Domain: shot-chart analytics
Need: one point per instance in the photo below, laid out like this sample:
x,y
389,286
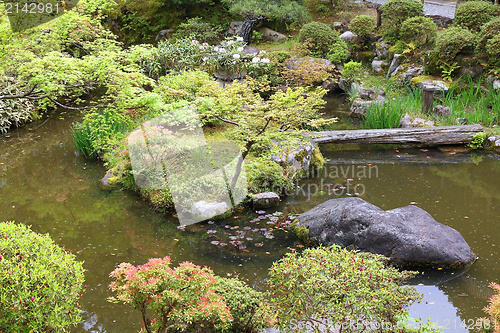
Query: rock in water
x,y
407,235
266,200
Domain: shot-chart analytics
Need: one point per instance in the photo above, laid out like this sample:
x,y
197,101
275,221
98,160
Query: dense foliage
x,y
40,282
362,25
334,286
319,37
199,30
420,30
395,12
485,41
453,41
180,299
245,304
473,14
492,324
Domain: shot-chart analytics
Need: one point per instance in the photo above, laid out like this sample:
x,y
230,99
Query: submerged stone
x,y
408,235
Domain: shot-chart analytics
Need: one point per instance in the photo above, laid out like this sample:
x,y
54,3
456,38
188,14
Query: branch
x,y
24,95
75,108
264,128
228,121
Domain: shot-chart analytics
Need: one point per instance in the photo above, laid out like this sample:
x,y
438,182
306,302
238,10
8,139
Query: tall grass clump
x,y
475,103
388,114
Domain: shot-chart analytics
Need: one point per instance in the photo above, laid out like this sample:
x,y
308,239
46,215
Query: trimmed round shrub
x,y
40,283
245,304
455,40
420,30
395,12
338,52
334,285
320,35
488,31
493,48
362,25
473,14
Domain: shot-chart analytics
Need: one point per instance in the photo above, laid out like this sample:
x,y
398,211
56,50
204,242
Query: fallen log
x,y
429,136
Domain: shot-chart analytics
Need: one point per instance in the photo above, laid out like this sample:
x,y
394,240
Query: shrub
x,y
320,36
334,285
245,304
454,40
338,52
362,25
264,176
187,86
395,12
420,30
488,31
196,29
41,283
352,71
473,14
181,299
491,324
493,48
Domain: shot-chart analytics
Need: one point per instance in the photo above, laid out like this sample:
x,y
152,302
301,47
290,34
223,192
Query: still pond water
x,y
46,184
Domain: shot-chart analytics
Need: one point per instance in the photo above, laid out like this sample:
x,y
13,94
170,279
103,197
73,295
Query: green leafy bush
x,y
40,283
334,285
395,12
245,304
338,52
362,25
489,31
187,86
473,14
493,48
352,71
180,299
320,36
264,175
202,31
492,324
453,41
420,30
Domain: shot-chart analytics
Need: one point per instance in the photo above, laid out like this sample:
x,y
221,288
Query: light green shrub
x,y
40,282
338,52
473,14
352,71
334,285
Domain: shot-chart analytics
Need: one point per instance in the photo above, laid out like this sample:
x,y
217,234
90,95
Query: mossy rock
x,y
301,232
365,57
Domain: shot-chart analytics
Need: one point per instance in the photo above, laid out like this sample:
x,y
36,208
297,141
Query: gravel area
x,y
447,9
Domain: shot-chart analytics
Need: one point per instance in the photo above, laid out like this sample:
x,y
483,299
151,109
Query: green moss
x,y
317,161
113,180
301,232
417,79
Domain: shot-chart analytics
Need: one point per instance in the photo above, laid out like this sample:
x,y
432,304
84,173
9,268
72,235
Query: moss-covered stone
x,y
301,232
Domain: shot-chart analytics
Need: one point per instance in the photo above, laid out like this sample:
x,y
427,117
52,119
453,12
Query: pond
x,y
46,184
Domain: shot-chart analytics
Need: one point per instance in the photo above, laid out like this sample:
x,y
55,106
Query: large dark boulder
x,y
407,235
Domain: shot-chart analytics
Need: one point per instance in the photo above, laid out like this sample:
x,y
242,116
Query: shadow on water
x,y
45,183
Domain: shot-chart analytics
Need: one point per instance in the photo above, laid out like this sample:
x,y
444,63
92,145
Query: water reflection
x,y
43,182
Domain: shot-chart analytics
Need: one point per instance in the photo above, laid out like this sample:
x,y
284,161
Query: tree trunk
x,y
246,29
444,135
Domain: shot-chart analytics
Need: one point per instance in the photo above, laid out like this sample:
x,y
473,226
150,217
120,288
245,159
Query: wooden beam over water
x,y
430,136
